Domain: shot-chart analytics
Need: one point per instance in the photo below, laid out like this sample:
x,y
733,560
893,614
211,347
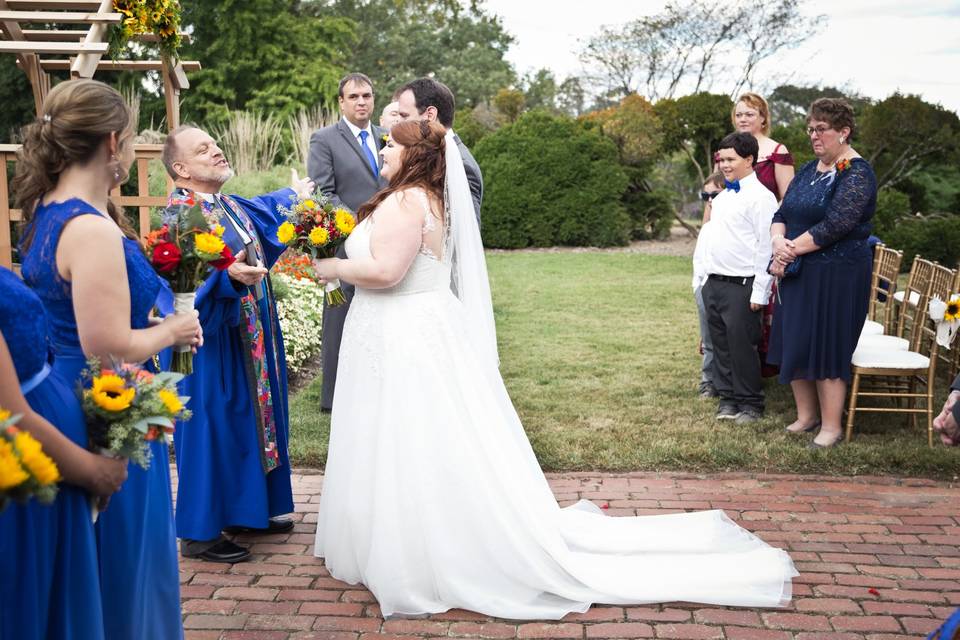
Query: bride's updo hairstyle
x,y
423,161
78,116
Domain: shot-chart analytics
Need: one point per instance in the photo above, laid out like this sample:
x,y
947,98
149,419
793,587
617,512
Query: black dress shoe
x,y
274,525
222,550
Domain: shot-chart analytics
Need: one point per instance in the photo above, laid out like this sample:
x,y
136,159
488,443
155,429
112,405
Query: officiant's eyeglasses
x,y
707,196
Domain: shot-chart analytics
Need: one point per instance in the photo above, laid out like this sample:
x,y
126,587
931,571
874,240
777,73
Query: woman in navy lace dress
x,y
824,222
49,582
83,260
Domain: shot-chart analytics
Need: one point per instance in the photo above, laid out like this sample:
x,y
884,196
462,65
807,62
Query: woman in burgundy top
x,y
774,169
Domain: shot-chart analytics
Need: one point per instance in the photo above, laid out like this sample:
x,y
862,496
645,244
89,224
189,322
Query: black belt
x,y
741,280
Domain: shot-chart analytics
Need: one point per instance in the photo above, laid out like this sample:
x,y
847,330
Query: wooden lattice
x,y
79,30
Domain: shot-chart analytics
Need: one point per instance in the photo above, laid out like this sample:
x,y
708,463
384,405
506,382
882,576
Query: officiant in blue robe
x,y
234,474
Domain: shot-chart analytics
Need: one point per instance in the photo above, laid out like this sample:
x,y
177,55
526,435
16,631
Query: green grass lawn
x,y
599,353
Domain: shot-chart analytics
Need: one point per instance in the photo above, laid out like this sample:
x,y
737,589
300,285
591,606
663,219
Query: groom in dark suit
x,y
428,99
344,162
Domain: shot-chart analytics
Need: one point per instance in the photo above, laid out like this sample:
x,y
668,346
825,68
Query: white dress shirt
x,y
739,240
700,256
355,130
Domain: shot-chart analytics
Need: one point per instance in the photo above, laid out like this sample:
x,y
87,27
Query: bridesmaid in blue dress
x,y
824,221
49,582
82,258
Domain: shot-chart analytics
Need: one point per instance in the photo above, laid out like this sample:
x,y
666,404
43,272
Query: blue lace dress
x,y
49,583
135,535
818,318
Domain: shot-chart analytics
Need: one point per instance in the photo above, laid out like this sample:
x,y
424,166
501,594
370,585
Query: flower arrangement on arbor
x,y
158,17
25,470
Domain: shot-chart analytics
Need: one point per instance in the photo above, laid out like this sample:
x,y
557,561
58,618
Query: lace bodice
x,y
23,324
428,272
835,207
40,272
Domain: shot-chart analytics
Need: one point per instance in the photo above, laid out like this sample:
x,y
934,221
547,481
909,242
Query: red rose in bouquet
x,y
166,257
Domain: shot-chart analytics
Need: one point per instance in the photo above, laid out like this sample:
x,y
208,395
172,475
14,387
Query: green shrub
x,y
651,213
892,205
935,237
549,181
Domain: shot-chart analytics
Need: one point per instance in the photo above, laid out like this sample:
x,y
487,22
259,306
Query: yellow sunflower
x,y
319,236
171,401
217,230
35,460
344,221
310,204
208,245
286,233
953,311
11,473
110,393
4,415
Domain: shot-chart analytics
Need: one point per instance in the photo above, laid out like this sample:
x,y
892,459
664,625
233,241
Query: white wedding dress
x,y
433,498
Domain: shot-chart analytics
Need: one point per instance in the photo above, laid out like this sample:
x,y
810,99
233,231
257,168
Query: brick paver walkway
x,y
879,559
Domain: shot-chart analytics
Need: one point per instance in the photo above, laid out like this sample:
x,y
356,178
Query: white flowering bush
x,y
300,311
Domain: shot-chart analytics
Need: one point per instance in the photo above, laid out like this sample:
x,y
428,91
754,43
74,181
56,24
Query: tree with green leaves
x,y
903,135
18,106
263,55
459,44
635,129
695,124
789,103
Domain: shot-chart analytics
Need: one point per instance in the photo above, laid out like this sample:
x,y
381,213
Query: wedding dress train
x,y
434,500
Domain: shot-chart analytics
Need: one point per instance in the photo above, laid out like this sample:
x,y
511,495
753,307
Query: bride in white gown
x,y
432,496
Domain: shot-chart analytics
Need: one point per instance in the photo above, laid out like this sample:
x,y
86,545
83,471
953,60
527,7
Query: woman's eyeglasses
x,y
707,196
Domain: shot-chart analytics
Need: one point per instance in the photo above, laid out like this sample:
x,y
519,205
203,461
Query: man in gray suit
x,y
428,99
344,162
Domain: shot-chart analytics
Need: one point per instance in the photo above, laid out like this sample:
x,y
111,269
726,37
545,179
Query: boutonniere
x,y
842,165
383,139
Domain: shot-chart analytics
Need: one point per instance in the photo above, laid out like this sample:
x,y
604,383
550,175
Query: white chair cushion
x,y
890,343
871,328
887,359
914,297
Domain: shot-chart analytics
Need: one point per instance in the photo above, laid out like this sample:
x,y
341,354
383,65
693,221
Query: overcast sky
x,y
873,47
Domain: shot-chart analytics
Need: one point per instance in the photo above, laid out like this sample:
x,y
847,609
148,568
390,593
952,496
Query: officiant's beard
x,y
216,177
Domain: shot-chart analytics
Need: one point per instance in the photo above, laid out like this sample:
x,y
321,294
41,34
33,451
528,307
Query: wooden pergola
x,y
78,43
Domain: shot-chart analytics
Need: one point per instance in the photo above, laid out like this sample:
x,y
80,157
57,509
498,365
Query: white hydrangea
x,y
301,314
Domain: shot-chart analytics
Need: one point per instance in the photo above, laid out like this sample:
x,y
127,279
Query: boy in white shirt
x,y
737,285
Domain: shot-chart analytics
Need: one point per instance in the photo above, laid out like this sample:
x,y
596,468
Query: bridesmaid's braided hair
x,y
423,161
78,115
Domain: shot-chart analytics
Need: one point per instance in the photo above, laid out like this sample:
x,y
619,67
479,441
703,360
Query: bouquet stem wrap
x,y
334,293
183,355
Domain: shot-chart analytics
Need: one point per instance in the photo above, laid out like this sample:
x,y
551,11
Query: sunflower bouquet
x,y
25,470
181,251
946,316
128,407
314,227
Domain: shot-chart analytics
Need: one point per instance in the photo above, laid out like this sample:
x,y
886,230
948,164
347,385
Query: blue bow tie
x,y
732,185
